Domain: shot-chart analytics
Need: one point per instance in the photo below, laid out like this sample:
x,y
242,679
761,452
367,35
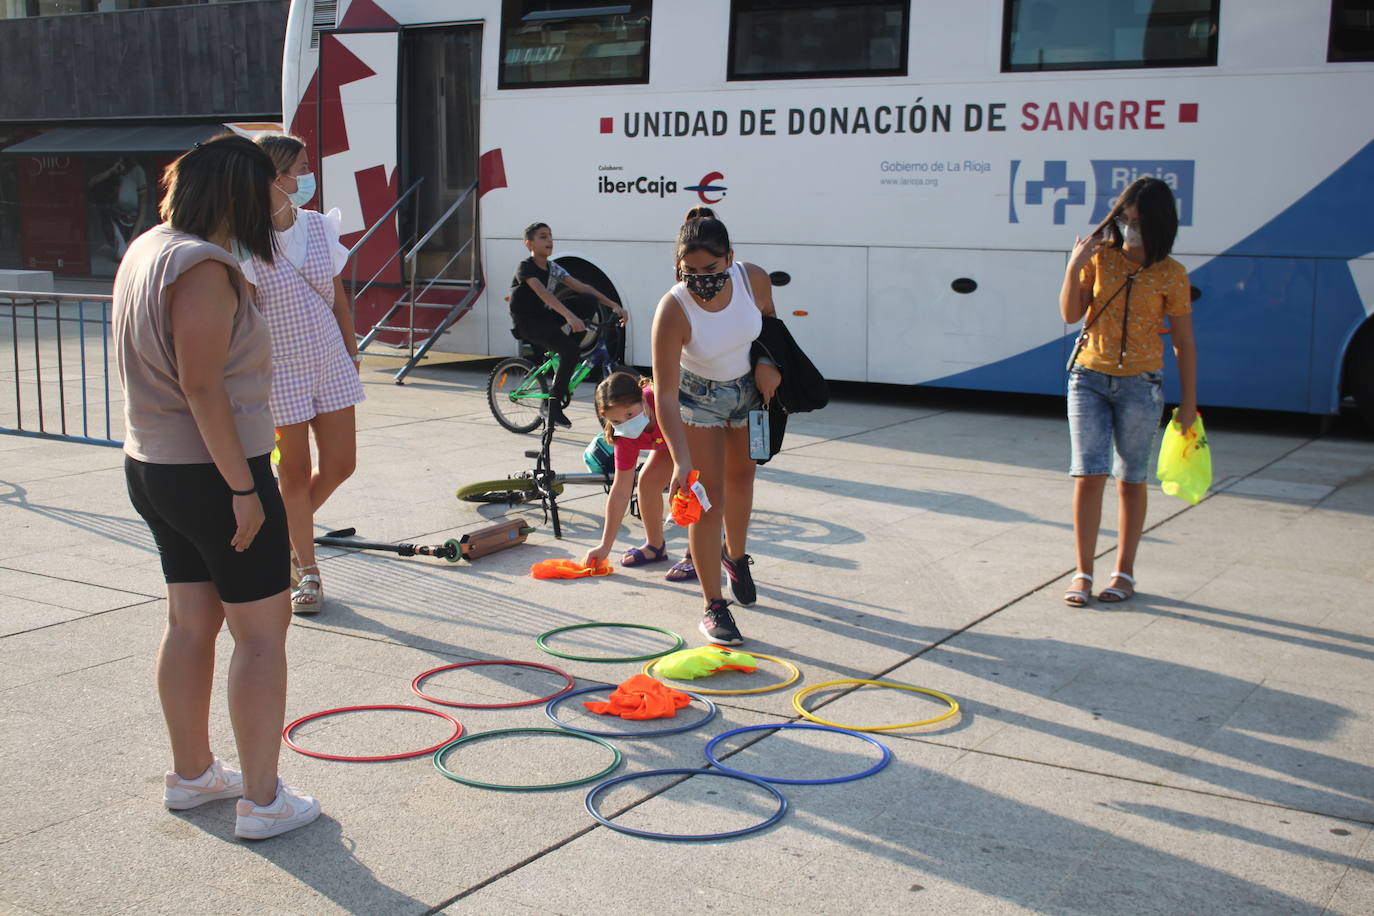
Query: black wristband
x,y
248,492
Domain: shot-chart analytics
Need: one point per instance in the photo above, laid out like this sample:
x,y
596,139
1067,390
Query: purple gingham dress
x,y
312,372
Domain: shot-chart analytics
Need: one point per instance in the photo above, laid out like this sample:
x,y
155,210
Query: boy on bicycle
x,y
540,318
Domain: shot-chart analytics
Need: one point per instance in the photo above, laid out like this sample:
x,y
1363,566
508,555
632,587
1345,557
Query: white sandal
x,y
1113,595
1078,597
308,595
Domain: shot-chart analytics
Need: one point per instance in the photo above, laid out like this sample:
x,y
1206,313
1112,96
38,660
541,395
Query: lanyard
x,y
1125,319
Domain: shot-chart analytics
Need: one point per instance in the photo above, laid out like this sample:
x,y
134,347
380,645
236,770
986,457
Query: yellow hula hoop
x,y
797,705
795,673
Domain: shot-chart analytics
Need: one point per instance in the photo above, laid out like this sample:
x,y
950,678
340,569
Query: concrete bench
x,y
26,280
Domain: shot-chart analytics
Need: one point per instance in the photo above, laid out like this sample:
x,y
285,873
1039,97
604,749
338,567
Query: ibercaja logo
x,y
1062,192
709,189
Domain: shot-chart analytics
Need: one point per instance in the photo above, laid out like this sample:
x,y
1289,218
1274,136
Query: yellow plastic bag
x,y
1185,461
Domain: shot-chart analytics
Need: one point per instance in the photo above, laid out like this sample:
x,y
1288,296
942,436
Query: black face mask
x,y
706,286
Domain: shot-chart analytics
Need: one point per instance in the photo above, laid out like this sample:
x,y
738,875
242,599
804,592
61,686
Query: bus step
x,y
401,329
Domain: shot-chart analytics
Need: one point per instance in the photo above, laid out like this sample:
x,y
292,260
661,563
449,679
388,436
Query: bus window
x,y
1108,34
1352,31
573,43
803,39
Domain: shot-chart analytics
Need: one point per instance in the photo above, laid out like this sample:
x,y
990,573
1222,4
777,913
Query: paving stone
x,y
1202,748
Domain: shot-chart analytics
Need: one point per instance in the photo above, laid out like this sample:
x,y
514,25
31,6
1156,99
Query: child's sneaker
x,y
218,781
289,810
719,624
741,580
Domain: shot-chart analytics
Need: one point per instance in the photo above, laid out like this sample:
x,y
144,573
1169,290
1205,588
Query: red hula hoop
x,y
286,734
415,685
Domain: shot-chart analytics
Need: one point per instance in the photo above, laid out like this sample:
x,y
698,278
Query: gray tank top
x,y
158,424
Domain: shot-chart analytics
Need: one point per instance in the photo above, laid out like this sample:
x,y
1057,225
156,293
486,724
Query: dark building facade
x,y
99,96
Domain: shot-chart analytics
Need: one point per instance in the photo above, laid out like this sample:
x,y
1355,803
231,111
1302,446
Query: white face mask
x,y
633,427
305,190
1130,234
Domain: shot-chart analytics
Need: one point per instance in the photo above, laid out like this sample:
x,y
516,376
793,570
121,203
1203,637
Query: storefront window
x,y
121,204
20,9
11,251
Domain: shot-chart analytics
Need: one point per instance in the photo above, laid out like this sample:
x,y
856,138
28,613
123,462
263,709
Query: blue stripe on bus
x,y
1277,311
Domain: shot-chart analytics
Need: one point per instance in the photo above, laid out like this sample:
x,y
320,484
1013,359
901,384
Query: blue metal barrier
x,y
47,331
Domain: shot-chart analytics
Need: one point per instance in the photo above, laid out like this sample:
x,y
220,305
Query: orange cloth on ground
x,y
568,569
641,697
686,508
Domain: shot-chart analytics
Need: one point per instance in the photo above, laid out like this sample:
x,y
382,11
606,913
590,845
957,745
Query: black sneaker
x,y
556,415
719,625
741,581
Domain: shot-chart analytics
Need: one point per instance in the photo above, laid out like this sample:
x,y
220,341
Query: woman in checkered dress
x,y
314,355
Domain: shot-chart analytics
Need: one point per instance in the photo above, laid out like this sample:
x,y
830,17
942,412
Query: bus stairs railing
x,y
62,369
419,338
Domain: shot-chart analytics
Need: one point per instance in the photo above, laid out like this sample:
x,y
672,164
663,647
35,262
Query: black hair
x,y
532,228
1157,213
222,183
700,213
702,234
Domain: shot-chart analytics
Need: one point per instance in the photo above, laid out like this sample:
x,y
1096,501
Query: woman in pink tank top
x,y
704,389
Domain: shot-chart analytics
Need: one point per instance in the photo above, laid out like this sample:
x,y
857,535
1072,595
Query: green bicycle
x,y
518,390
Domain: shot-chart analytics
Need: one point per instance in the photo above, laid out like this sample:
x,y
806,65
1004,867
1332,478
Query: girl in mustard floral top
x,y
1122,279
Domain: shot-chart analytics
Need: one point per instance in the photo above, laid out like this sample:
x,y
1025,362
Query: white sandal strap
x,y
1121,575
1083,575
310,579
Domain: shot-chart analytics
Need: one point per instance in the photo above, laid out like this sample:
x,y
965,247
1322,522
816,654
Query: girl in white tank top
x,y
719,346
704,390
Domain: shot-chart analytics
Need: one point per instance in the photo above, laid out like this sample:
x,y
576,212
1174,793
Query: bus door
x,y
440,91
966,318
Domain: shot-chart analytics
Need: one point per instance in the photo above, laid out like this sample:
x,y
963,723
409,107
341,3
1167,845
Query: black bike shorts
x,y
190,511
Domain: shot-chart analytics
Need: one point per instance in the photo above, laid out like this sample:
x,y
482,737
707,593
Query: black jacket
x,y
802,387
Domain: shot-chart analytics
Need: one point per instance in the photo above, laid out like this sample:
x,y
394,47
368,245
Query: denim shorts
x,y
1113,422
708,403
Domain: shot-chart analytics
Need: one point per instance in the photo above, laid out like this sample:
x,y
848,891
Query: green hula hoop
x,y
680,642
443,751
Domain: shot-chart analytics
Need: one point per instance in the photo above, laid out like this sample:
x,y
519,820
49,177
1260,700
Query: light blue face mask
x,y
238,252
305,189
633,427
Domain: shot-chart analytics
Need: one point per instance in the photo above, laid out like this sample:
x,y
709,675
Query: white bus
x,y
914,171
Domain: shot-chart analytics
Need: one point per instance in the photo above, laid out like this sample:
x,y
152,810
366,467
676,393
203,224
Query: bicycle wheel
x,y
517,410
510,490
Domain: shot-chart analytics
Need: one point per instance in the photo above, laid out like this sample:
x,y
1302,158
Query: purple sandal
x,y
636,556
682,571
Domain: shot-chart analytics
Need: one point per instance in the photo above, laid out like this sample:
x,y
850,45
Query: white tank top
x,y
719,348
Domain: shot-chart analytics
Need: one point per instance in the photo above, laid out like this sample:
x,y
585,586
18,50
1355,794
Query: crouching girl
x,y
625,404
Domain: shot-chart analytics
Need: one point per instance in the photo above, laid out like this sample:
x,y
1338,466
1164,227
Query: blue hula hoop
x,y
651,835
549,711
711,759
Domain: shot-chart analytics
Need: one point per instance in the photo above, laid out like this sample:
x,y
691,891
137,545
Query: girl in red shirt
x,y
625,403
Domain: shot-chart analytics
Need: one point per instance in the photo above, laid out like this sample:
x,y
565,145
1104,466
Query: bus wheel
x,y
1361,372
589,273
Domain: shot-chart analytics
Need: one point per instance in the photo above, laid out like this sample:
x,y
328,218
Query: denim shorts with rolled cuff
x,y
1113,423
708,403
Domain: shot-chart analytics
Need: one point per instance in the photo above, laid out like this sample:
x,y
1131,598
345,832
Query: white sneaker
x,y
218,781
289,810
